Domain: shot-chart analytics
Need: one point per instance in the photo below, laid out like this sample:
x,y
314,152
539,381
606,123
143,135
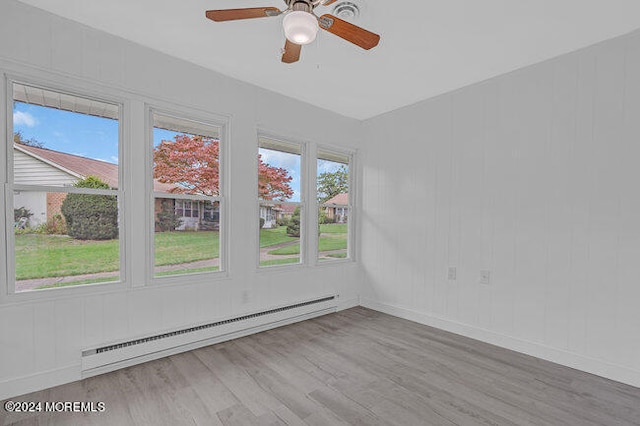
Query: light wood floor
x,y
355,367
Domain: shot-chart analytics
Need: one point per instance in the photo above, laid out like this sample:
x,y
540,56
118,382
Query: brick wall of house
x,y
54,203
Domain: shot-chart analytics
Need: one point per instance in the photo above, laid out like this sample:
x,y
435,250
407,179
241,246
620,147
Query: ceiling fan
x,y
301,25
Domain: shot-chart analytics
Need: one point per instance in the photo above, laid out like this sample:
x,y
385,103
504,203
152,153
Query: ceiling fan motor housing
x,y
301,6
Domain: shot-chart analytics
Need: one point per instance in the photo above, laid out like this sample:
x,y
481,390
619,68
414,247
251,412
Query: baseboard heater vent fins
x,y
232,327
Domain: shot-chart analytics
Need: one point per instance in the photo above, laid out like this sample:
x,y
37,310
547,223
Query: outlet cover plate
x,y
451,273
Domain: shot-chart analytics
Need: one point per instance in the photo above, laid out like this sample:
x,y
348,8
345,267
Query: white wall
x,y
532,175
41,340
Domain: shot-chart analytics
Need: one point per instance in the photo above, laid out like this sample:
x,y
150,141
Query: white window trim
x,y
304,176
78,89
206,120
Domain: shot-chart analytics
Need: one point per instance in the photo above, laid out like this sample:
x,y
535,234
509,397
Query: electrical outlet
x,y
246,296
485,277
451,274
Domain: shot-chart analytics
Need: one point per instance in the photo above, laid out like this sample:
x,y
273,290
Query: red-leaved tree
x,y
191,163
273,182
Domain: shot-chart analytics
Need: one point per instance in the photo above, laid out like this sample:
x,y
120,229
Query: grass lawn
x,y
177,247
42,256
333,237
273,236
333,228
280,261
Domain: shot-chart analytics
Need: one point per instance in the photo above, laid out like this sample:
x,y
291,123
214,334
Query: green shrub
x,y
91,217
283,221
261,222
323,219
168,220
293,228
55,225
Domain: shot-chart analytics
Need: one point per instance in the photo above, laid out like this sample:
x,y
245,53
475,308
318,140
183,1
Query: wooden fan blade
x,y
353,33
328,2
247,13
291,52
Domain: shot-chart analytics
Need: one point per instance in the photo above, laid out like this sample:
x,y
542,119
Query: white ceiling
x,y
428,47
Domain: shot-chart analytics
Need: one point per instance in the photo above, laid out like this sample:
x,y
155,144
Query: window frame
x,y
352,205
303,204
8,187
207,120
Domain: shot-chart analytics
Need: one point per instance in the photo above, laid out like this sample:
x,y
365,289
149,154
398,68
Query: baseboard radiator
x,y
117,355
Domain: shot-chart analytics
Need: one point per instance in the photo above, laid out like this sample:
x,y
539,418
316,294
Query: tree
x,y
293,228
17,138
331,184
189,162
192,164
273,182
168,220
91,216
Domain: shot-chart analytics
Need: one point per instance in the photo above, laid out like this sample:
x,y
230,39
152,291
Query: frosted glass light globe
x,y
300,27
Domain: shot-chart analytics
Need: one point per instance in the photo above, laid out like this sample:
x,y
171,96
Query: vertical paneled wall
x,y
41,341
533,176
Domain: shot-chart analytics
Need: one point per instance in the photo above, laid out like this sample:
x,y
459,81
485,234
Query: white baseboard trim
x,y
570,359
347,303
14,387
200,344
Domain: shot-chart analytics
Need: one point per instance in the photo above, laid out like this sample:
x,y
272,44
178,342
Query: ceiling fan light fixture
x,y
300,27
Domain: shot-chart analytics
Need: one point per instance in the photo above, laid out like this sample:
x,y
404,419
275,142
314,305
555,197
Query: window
x,y
65,189
280,203
187,196
189,209
334,201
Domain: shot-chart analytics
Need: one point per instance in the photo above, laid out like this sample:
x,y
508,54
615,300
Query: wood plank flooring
x,y
356,367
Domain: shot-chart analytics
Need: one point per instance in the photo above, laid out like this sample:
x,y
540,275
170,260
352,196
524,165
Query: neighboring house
x,y
41,166
287,210
270,212
194,215
336,208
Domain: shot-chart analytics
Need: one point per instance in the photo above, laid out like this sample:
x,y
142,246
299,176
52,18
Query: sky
x,y
325,166
70,132
97,138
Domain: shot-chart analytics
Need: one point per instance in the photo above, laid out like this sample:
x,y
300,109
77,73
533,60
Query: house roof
x,y
82,166
340,199
288,208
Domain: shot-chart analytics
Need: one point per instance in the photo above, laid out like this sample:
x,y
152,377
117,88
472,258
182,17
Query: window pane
x,y
61,238
189,243
65,239
279,233
186,160
278,175
59,138
279,193
333,199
